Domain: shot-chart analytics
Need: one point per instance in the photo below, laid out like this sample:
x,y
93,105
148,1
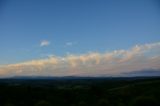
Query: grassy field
x,y
138,91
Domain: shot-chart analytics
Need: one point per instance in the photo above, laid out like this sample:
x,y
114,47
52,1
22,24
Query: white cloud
x,y
116,62
44,43
70,43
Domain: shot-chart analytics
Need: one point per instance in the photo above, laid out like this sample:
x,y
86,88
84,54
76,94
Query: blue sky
x,y
74,27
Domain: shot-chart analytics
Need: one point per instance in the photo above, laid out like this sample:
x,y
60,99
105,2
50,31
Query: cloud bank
x,y
139,57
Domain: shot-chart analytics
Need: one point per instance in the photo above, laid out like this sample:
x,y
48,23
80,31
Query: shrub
x,y
145,101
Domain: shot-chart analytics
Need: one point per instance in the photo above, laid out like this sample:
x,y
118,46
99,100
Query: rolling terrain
x,y
80,91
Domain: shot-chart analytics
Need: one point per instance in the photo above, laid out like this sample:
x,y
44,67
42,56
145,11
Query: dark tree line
x,y
82,93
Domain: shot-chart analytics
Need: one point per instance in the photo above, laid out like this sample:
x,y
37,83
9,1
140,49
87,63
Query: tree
x,y
145,101
8,104
103,102
43,103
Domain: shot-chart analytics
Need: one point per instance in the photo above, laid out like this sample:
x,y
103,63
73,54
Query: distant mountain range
x,y
150,72
134,74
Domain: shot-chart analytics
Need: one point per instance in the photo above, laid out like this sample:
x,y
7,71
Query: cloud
x,y
70,44
44,43
139,57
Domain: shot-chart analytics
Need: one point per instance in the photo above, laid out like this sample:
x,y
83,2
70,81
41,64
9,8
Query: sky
x,y
78,37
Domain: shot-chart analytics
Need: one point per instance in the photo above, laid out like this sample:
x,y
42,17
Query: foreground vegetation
x,y
80,92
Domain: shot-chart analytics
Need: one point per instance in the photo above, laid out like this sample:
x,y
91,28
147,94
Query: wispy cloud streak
x,y
44,43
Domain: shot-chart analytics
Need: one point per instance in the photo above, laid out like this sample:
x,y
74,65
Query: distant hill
x,y
150,72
